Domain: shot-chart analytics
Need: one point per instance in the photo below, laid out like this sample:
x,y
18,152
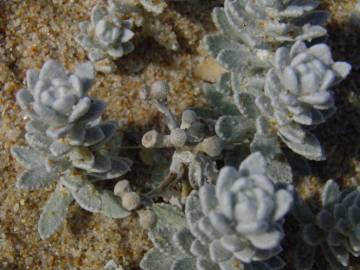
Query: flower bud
x,y
159,90
121,187
130,200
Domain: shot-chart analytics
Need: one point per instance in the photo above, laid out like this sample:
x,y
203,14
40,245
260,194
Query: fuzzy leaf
x,y
38,141
330,194
184,264
54,212
183,240
269,147
253,164
266,240
234,128
234,61
170,220
29,158
284,202
218,253
155,260
168,216
218,101
119,167
111,205
246,104
223,85
35,178
222,23
208,199
310,148
279,170
52,69
88,197
216,43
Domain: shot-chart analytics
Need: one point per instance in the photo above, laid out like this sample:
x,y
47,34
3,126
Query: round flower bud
x,y
150,139
130,200
178,137
147,219
121,187
159,90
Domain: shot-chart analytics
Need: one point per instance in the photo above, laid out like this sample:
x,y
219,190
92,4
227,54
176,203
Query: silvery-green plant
x,y
235,224
196,146
332,232
68,144
106,38
237,113
146,16
267,92
251,30
298,93
293,90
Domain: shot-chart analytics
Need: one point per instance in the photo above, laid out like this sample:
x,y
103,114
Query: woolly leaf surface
x,y
184,264
253,164
216,43
169,216
54,212
330,194
111,205
155,260
35,178
29,158
88,197
218,101
279,170
310,148
234,128
269,147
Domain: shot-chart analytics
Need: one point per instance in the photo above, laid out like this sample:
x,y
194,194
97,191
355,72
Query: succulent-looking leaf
x,y
54,212
155,260
310,148
168,216
234,128
35,178
88,197
27,157
253,164
280,171
330,194
111,205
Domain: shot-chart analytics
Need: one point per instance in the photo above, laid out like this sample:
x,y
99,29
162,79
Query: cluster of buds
x,y
193,138
131,200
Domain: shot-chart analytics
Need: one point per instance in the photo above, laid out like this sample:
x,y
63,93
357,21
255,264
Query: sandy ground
x,y
32,31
